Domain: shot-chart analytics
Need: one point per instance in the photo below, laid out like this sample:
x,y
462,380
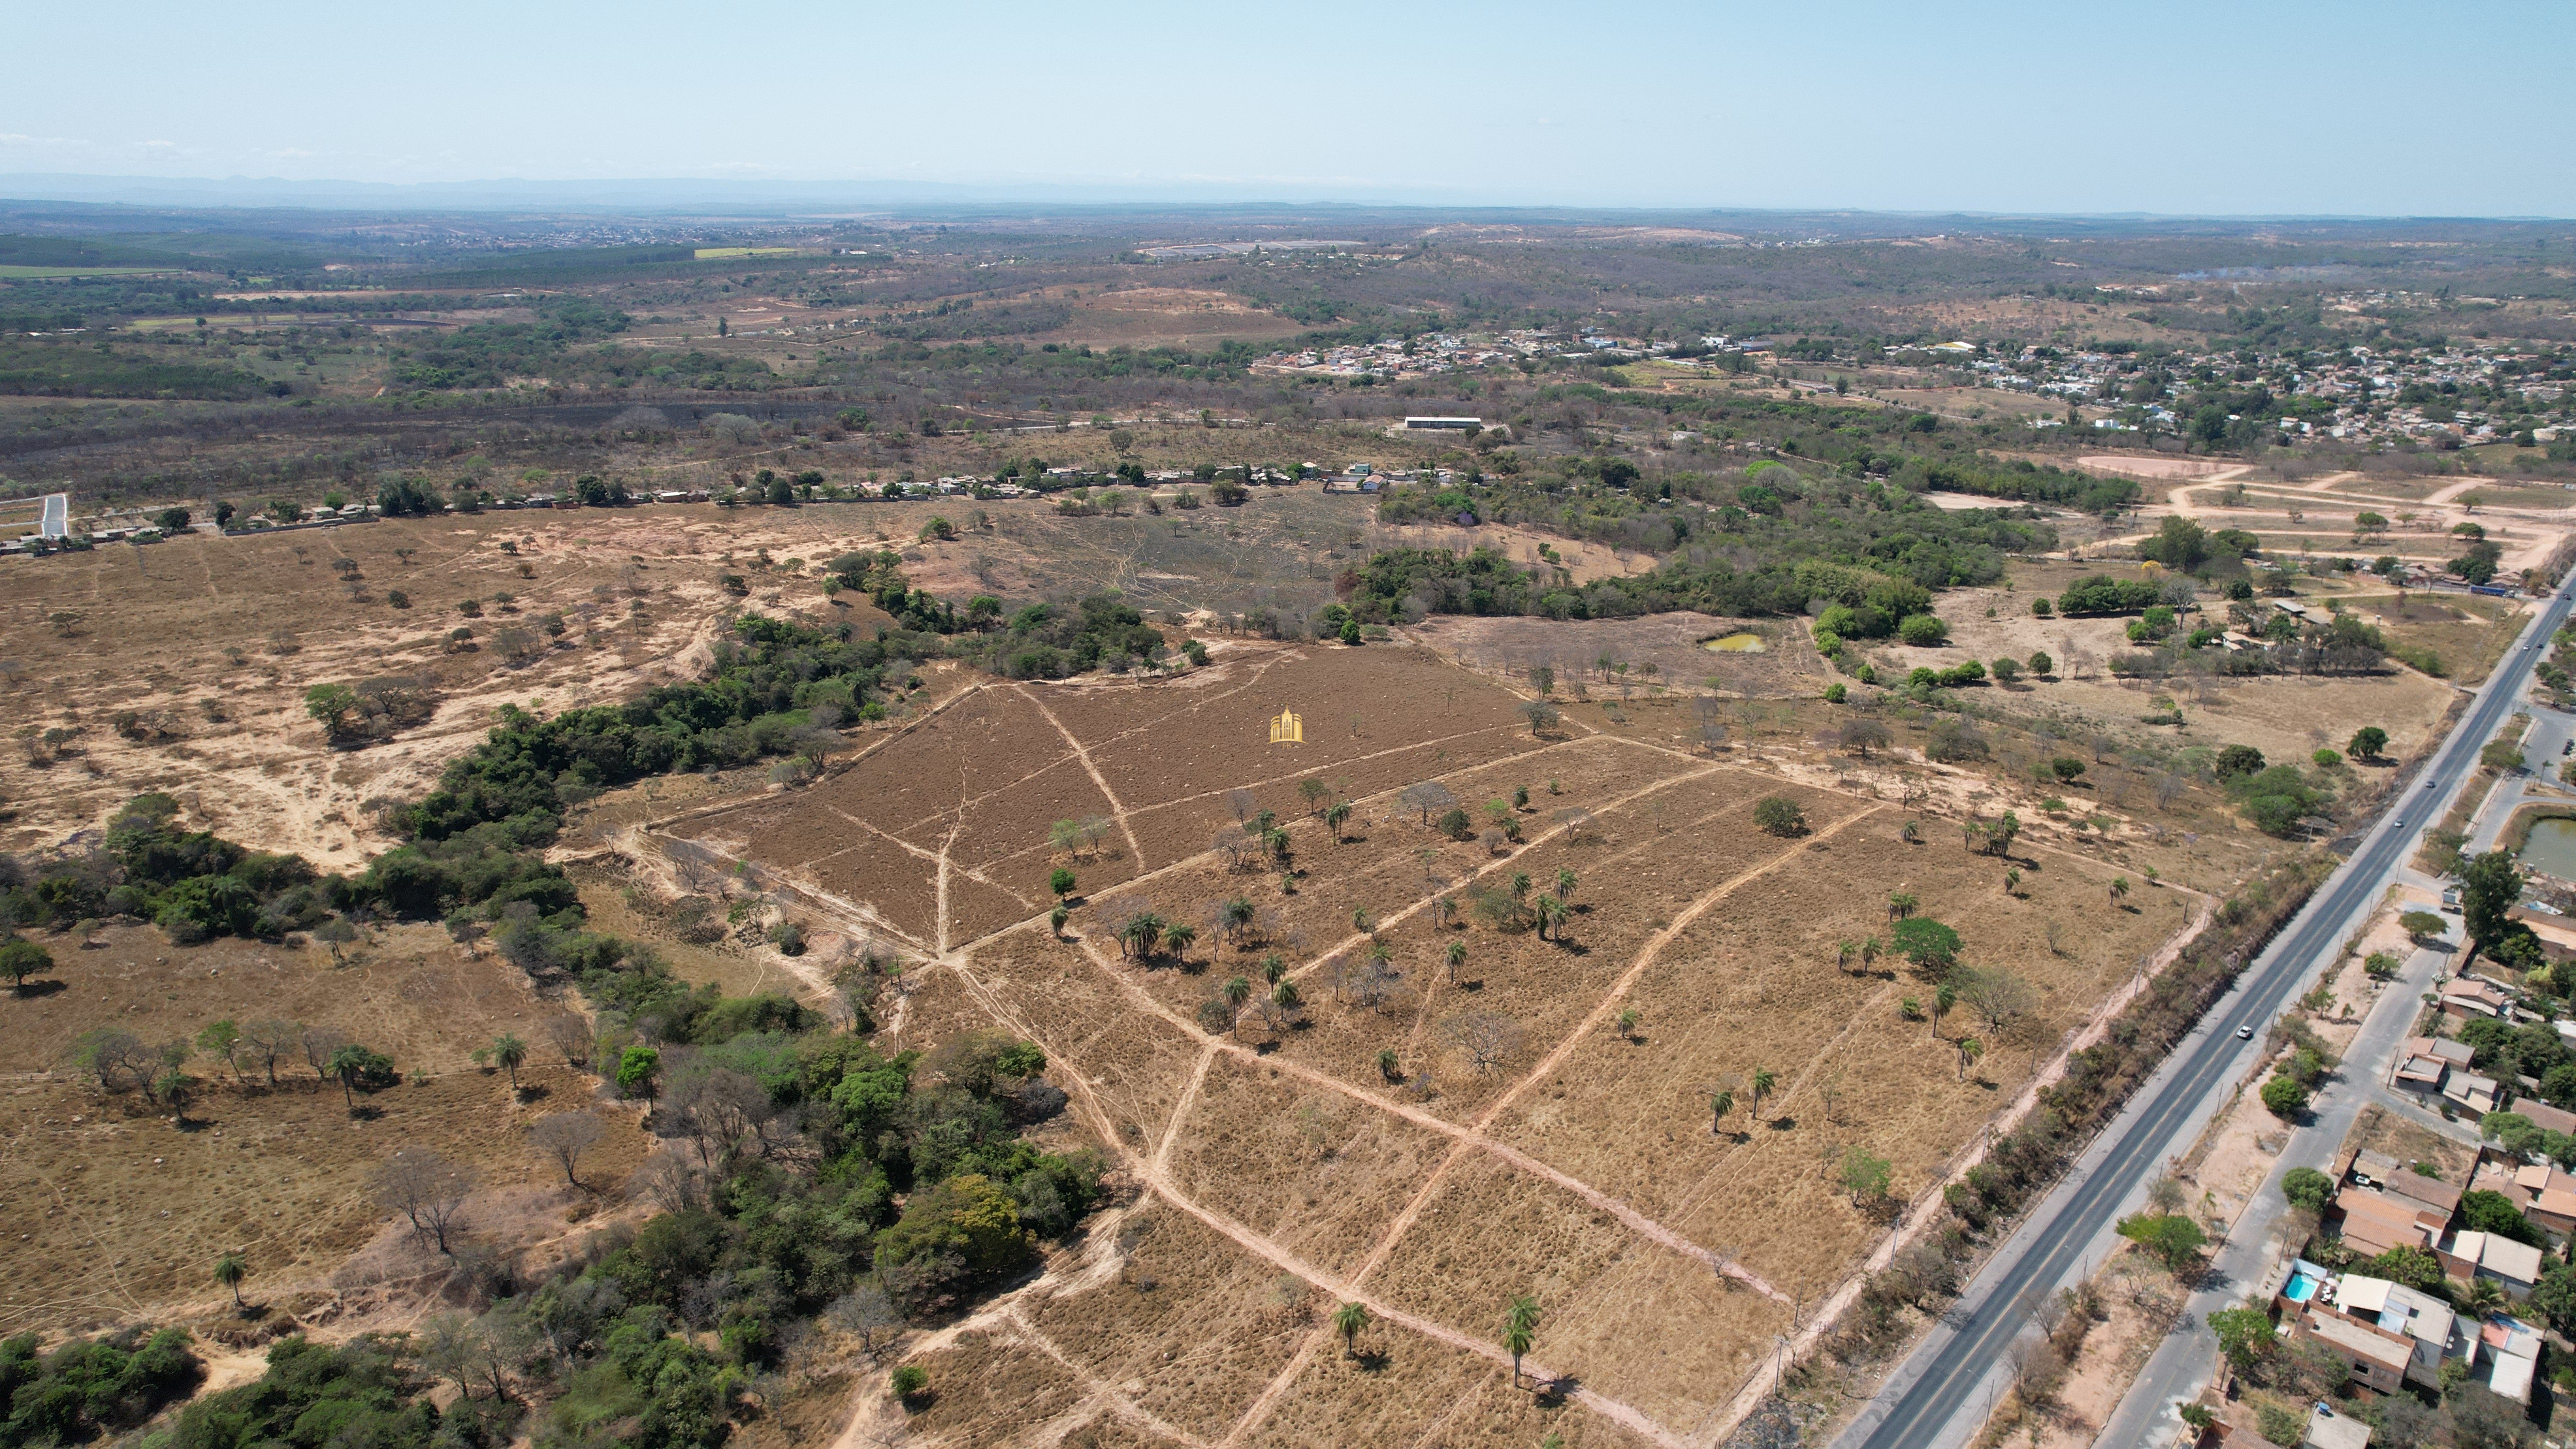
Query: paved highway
x,y
1943,1391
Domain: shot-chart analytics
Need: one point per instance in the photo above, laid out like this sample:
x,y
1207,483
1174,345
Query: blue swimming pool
x,y
2301,1287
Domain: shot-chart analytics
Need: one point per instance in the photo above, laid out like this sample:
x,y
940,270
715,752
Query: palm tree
x,y
1236,992
1969,1050
1457,958
1237,915
1348,1320
1519,1328
1763,1082
1901,904
230,1270
2119,890
348,1064
1286,996
509,1051
1565,885
1844,951
1360,920
1943,998
2012,879
1869,950
1552,912
1719,1104
1628,1023
1339,812
2484,1296
1273,967
1180,938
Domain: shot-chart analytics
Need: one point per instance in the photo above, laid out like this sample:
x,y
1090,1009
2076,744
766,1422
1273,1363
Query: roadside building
x,y
2424,1065
2469,998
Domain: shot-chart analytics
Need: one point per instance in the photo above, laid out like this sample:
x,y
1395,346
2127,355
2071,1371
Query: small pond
x,y
2552,848
1743,643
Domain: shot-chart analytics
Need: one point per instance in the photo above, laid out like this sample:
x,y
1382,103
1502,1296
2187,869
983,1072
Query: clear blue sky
x,y
2193,107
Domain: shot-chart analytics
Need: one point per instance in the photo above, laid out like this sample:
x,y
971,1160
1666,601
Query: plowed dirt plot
x,y
1432,1141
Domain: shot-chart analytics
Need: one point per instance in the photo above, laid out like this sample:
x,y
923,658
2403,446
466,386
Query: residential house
x,y
2373,1222
2420,1320
2379,1359
2542,1115
2468,1256
2468,998
2509,1351
2330,1430
2428,1194
2476,1093
2546,1195
2425,1062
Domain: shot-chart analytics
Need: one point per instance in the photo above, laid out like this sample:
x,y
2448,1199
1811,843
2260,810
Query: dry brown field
x,y
114,1210
1275,1173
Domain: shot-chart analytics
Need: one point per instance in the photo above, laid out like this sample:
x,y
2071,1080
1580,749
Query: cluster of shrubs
x,y
88,1387
194,885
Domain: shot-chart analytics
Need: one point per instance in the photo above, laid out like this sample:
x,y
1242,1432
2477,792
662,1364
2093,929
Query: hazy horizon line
x,y
603,193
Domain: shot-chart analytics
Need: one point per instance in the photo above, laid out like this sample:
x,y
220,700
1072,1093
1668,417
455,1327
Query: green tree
x,y
1520,1329
2284,1097
638,1067
331,705
230,1270
2172,1239
2305,1187
2490,885
1779,816
2423,925
1926,942
1061,881
2486,1211
1865,1176
22,959
223,1039
2244,1335
2367,742
1348,1320
908,1380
